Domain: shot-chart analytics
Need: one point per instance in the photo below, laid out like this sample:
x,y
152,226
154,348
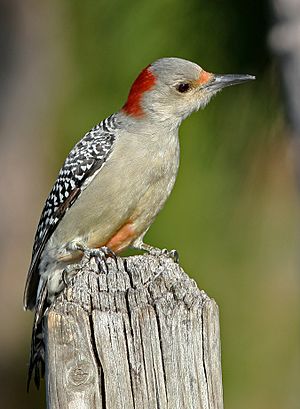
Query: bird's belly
x,y
126,194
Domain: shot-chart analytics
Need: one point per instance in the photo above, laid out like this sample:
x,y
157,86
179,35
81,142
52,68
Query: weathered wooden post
x,y
136,333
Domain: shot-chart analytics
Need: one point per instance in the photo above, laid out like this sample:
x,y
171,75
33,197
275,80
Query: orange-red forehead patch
x,y
204,77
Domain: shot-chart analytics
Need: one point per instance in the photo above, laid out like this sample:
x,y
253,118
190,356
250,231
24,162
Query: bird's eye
x,y
183,87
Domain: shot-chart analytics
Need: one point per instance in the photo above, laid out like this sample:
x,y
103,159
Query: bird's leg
x,y
173,254
88,253
155,251
102,252
72,269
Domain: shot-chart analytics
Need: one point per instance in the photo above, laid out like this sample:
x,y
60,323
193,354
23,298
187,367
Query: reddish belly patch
x,y
122,239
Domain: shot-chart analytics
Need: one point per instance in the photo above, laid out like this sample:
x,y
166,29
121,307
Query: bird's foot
x,y
88,253
173,254
102,253
155,251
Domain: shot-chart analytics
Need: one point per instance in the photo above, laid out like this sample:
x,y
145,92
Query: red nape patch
x,y
143,83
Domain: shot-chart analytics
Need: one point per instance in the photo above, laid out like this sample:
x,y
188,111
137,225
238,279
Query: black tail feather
x,y
37,351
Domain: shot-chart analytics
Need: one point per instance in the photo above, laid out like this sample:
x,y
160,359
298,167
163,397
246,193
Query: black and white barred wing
x,y
86,158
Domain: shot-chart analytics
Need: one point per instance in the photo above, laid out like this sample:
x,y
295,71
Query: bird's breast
x,y
132,186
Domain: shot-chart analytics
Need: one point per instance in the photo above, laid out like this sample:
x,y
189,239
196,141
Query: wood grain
x,y
133,333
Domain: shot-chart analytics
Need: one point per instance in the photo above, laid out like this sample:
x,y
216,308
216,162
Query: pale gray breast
x,y
138,177
160,166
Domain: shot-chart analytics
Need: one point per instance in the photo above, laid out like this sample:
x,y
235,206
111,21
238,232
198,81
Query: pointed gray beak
x,y
220,81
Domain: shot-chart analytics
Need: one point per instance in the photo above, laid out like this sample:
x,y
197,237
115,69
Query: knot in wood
x,y
138,335
80,374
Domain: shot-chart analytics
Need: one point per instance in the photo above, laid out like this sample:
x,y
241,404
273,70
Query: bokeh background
x,y
234,212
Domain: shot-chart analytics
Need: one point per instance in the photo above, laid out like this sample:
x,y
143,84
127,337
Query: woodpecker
x,y
119,175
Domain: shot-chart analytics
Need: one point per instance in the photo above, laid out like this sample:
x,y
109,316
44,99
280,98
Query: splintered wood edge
x,y
212,352
167,351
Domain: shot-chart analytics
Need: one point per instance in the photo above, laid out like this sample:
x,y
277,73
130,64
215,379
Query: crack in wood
x,y
153,338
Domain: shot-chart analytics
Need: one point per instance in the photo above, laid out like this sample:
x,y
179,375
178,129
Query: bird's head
x,y
170,89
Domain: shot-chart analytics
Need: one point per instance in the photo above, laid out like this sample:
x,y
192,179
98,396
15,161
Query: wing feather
x,y
87,157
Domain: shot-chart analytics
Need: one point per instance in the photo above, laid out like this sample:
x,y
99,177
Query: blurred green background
x,y
234,213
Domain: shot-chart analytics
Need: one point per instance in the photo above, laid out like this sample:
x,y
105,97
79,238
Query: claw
x,y
173,254
69,272
112,254
103,252
155,251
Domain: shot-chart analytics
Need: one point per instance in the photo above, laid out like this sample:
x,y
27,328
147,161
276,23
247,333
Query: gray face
x,y
182,87
178,89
